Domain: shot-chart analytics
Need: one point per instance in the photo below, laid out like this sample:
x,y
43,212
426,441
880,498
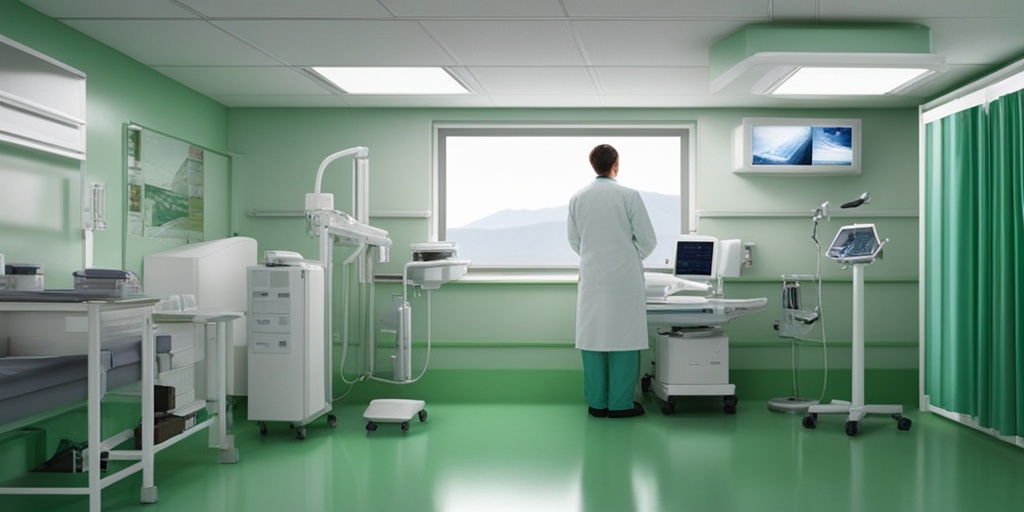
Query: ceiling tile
x,y
917,9
640,81
342,42
443,101
549,101
527,53
534,80
110,9
684,9
474,8
280,9
652,43
236,80
507,42
654,100
793,10
172,42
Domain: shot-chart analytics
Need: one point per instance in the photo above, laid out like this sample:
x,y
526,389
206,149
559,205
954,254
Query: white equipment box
x,y
287,368
692,362
698,357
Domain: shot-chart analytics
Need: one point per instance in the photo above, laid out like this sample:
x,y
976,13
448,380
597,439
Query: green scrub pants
x,y
609,379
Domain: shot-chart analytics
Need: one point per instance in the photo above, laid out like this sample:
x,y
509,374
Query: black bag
x,y
68,459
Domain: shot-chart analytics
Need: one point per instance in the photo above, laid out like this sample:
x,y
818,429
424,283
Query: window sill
x,y
504,276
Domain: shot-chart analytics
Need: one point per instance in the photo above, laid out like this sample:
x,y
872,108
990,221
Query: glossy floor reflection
x,y
511,457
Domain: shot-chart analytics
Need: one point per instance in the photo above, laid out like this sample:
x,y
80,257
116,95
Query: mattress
x,y
32,385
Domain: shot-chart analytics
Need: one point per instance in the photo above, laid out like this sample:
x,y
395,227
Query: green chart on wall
x,y
165,186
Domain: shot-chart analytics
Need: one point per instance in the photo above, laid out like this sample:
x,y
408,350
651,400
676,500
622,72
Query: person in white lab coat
x,y
608,226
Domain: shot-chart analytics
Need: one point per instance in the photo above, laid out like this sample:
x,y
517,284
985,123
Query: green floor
x,y
513,457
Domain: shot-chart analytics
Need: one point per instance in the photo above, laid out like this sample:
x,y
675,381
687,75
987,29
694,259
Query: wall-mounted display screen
x,y
798,146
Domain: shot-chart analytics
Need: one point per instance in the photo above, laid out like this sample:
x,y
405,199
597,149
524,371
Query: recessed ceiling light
x,y
392,80
829,81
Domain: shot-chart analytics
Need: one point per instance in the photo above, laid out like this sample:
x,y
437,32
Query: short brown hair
x,y
602,158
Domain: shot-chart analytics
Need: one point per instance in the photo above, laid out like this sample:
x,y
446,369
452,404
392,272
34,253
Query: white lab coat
x,y
608,226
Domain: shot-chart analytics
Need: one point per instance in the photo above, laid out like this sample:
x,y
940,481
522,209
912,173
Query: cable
x,y
822,213
821,316
345,322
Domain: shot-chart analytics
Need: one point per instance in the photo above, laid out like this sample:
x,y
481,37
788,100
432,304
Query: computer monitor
x,y
696,258
857,243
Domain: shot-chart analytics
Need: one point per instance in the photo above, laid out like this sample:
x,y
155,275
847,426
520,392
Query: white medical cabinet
x,y
287,364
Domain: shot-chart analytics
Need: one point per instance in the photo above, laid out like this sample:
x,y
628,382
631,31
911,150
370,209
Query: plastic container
x,y
109,282
22,276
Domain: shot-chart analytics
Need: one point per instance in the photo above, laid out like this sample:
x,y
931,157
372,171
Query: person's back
x,y
609,228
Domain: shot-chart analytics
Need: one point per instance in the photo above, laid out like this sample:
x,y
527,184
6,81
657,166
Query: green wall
x,y
517,326
479,327
118,90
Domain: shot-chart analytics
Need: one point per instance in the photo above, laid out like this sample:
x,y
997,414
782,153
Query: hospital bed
x,y
687,312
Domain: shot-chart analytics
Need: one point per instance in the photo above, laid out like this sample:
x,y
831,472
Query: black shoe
x,y
637,410
598,413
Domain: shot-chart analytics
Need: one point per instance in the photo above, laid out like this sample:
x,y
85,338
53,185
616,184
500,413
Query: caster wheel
x,y
668,409
332,421
729,404
422,415
903,423
371,427
300,433
405,426
263,428
645,384
810,421
852,428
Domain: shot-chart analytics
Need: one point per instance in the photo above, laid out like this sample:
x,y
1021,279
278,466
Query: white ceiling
x,y
511,53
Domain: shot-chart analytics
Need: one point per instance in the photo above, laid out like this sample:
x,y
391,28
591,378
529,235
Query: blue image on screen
x,y
833,145
801,145
781,145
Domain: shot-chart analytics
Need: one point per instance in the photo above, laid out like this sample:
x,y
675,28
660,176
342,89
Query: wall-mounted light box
x,y
796,146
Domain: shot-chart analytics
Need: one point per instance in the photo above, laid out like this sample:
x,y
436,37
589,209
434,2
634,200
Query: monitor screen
x,y
801,145
853,243
822,147
695,258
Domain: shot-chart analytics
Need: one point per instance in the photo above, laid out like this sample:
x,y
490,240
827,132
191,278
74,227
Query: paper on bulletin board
x,y
165,187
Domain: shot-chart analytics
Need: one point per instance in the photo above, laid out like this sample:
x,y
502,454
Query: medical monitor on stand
x,y
696,258
856,246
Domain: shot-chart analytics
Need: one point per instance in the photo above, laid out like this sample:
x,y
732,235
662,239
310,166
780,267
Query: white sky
x,y
485,175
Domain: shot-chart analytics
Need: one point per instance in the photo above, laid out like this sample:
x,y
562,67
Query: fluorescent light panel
x,y
392,80
831,81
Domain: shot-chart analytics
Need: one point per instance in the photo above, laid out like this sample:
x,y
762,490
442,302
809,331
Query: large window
x,y
504,191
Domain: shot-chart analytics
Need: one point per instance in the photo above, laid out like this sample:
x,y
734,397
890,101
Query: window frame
x,y
686,131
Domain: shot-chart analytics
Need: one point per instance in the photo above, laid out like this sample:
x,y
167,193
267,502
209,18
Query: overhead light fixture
x,y
824,60
832,81
391,80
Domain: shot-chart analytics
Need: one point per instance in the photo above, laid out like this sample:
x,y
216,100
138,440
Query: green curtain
x,y
974,265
